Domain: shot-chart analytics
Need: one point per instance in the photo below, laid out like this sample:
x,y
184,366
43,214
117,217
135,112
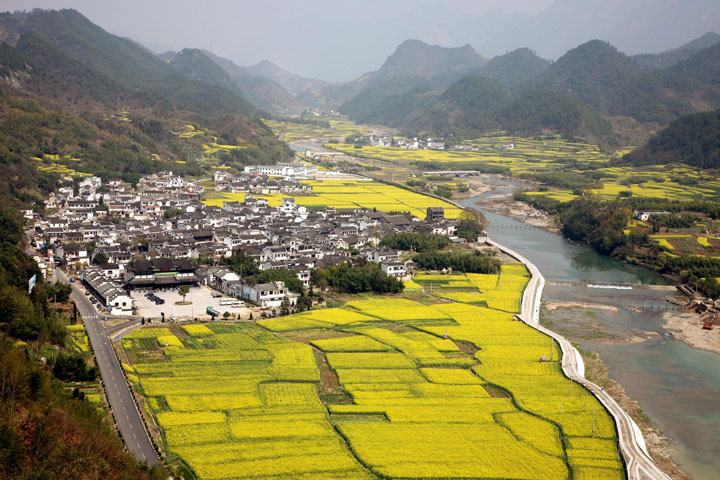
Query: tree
x,y
58,291
470,226
240,263
100,259
289,277
73,367
183,291
172,212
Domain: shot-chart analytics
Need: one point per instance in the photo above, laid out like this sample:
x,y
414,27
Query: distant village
x,y
415,143
160,235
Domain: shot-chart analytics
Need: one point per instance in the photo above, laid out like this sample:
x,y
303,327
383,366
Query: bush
x,y
73,367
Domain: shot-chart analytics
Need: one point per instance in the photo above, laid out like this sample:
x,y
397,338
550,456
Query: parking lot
x,y
200,298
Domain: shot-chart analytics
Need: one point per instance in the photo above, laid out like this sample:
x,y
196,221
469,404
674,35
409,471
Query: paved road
x,y
121,400
639,464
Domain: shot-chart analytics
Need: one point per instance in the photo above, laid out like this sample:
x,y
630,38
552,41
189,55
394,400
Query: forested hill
x,y
414,65
77,99
597,74
693,139
261,91
516,67
584,93
662,60
126,63
47,430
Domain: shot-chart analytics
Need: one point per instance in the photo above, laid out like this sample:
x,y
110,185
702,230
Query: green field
x,y
383,387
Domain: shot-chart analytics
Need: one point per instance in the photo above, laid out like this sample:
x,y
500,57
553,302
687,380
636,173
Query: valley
x,y
476,259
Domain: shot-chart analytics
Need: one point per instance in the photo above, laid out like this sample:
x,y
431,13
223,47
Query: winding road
x,y
121,400
637,460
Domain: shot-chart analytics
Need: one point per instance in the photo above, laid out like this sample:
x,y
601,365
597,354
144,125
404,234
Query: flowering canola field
x,y
350,194
446,390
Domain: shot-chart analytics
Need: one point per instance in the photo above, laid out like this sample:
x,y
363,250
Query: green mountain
x,y
541,111
61,113
668,58
597,74
127,63
696,79
413,65
291,82
516,67
467,105
196,65
477,104
692,139
416,59
44,71
259,90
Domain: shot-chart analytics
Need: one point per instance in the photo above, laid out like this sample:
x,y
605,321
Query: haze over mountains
x,y
338,41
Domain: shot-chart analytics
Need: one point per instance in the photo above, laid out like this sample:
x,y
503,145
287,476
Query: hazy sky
x,y
337,40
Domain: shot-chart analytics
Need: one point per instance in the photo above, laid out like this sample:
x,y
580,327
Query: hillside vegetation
x,y
75,99
693,140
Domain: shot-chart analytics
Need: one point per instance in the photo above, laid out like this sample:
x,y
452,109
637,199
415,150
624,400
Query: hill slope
x,y
668,58
291,82
516,67
127,63
598,74
61,116
693,139
414,64
259,90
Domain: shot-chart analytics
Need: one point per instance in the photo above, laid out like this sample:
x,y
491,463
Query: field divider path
x,y
632,444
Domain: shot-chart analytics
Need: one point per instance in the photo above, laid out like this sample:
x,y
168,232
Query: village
x,y
133,249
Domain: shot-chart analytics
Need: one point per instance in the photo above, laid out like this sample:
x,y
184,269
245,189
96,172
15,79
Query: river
x,y
677,386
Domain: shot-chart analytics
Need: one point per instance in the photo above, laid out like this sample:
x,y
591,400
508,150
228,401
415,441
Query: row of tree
x,y
469,262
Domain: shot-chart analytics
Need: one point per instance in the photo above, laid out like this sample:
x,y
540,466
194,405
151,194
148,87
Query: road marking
x,y
136,439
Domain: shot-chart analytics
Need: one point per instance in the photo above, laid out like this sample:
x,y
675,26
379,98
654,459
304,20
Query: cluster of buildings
x,y
162,236
423,144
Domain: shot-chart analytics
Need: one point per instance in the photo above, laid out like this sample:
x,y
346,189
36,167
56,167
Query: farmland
x,y
339,127
532,157
352,193
381,387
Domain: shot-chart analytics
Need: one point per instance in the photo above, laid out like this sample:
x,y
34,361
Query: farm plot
x,y
501,292
241,405
448,390
352,194
440,419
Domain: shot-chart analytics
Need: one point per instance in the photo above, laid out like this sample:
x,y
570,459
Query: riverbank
x,y
503,204
686,326
657,443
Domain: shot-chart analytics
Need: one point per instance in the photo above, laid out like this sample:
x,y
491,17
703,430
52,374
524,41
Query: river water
x,y
677,386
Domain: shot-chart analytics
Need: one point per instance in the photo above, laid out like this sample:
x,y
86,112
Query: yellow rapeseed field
x,y
442,390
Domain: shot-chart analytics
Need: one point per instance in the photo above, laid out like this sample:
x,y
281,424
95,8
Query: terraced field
x,y
352,194
383,387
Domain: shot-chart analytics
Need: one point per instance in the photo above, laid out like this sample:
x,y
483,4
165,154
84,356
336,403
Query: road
x,y
122,403
632,445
